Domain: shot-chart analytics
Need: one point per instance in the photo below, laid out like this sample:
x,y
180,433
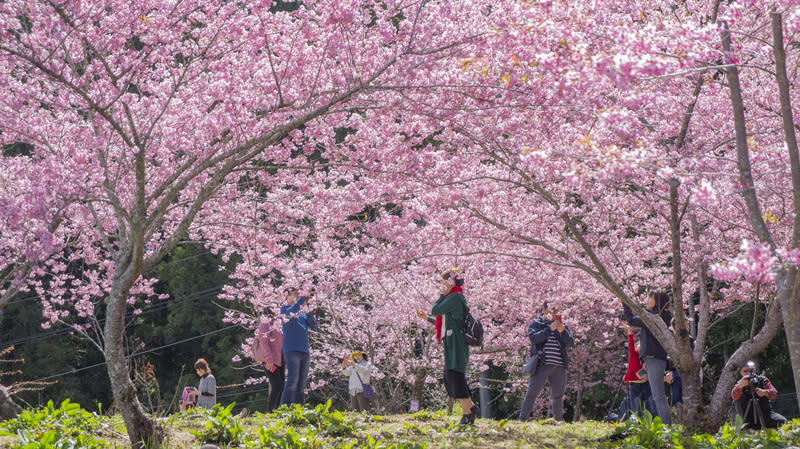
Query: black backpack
x,y
472,330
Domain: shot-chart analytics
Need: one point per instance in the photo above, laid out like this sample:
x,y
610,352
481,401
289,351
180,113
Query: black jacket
x,y
649,346
539,331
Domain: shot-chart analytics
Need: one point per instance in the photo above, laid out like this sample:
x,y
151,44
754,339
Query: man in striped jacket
x,y
549,339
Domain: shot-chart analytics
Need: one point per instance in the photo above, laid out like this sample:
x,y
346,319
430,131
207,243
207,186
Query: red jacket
x,y
634,364
736,393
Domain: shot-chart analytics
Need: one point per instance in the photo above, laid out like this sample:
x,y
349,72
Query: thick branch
x,y
742,152
788,121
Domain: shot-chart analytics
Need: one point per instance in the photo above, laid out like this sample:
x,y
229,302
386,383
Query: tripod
x,y
758,414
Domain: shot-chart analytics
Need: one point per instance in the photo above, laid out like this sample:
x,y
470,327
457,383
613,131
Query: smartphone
x,y
641,373
558,318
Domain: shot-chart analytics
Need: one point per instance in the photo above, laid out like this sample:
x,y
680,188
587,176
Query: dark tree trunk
x,y
142,430
8,408
788,282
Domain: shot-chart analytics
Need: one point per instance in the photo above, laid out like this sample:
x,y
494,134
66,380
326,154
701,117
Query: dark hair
x,y
201,364
457,273
662,304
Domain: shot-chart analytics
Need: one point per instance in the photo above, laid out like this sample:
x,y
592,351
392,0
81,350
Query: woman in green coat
x,y
447,314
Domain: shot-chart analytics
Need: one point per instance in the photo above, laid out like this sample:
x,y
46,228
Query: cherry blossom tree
x,y
176,116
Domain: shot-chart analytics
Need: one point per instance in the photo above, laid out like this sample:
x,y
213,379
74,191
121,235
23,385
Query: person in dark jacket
x,y
296,349
447,314
652,355
549,339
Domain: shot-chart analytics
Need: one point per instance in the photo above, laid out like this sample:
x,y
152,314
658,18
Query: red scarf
x,y
455,289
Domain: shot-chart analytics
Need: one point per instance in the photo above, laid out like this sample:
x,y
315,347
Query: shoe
x,y
465,419
474,412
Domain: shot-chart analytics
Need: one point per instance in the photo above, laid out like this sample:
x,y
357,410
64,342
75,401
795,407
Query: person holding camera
x,y
296,349
651,353
447,315
549,338
358,368
751,394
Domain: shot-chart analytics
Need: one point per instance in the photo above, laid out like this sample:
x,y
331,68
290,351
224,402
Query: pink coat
x,y
268,344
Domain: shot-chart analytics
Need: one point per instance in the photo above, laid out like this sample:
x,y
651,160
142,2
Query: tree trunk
x,y
730,372
417,388
8,408
787,284
142,431
578,402
694,411
790,309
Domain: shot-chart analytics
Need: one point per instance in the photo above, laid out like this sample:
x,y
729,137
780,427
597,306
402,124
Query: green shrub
x,y
221,427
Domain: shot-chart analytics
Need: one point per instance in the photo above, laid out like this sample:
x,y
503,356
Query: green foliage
x,y
221,427
649,433
332,423
48,427
289,438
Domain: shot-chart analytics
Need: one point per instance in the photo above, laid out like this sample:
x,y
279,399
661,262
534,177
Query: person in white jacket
x,y
358,368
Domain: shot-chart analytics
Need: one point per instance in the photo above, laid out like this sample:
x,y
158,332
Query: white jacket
x,y
363,368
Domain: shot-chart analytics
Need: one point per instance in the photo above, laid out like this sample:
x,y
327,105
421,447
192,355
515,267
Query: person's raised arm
x,y
294,308
632,319
537,333
566,336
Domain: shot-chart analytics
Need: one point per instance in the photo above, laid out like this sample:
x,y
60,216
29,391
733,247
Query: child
x,y
358,368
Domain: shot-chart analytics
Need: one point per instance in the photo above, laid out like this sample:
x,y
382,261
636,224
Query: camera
x,y
754,380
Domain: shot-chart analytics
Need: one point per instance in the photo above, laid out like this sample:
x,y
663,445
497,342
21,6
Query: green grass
x,y
322,428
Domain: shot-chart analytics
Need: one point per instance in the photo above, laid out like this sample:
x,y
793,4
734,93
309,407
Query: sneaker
x,y
474,412
467,419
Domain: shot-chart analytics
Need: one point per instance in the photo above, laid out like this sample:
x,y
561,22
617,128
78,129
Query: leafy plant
x,y
290,439
68,426
332,423
221,427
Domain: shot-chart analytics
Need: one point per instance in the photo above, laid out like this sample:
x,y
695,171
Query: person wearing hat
x,y
358,368
751,396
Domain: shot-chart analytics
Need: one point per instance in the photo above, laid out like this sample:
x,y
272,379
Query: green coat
x,y
452,307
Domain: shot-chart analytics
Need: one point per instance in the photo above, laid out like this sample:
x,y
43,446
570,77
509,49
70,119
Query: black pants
x,y
277,379
751,417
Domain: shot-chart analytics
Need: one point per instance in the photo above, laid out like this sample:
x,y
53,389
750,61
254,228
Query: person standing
x,y
447,314
296,349
357,367
549,338
268,350
206,392
651,353
638,389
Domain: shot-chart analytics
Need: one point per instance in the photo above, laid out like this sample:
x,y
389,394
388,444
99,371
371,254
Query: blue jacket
x,y
539,331
295,330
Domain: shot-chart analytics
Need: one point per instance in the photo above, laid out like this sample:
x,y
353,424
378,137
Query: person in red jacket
x,y
638,388
751,396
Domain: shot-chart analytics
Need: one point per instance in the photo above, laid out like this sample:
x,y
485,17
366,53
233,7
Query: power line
x,y
137,354
33,298
162,304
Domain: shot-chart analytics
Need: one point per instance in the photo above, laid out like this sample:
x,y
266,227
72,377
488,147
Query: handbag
x,y
369,393
530,365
